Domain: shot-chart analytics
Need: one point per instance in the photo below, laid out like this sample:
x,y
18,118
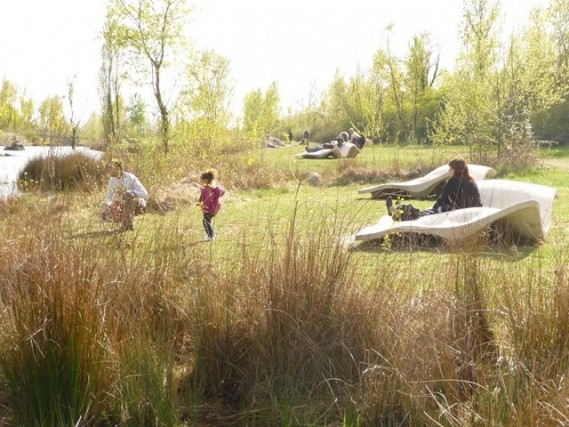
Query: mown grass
x,y
276,322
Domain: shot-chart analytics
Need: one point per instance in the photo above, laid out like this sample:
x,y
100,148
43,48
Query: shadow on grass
x,y
412,243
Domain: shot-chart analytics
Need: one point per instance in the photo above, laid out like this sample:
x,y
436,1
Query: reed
x,y
275,323
57,173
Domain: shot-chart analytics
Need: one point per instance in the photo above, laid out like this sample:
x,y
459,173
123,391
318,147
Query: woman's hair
x,y
460,168
207,176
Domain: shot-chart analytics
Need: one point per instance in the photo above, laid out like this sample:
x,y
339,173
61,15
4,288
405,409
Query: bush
x,y
58,173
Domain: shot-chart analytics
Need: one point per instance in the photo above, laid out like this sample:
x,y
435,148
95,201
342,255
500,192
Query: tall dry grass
x,y
292,330
75,171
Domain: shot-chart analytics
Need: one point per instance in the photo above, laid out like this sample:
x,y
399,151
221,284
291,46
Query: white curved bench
x,y
525,208
426,185
347,150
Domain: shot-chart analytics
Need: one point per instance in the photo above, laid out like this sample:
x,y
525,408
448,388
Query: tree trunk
x,y
164,119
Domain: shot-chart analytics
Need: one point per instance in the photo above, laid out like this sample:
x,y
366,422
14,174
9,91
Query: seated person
x,y
459,192
125,198
356,139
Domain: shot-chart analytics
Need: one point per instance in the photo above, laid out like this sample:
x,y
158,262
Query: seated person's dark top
x,y
458,193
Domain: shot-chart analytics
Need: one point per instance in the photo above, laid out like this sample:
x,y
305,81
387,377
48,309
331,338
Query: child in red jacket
x,y
209,202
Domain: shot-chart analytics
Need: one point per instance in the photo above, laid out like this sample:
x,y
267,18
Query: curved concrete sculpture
x,y
347,150
424,186
525,209
272,142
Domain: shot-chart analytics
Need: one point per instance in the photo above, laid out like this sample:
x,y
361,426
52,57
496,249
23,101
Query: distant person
x,y
459,192
305,137
125,198
209,202
356,138
289,136
344,136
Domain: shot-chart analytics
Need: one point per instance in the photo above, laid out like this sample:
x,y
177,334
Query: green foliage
x,y
203,111
153,32
52,122
147,389
261,111
8,109
492,101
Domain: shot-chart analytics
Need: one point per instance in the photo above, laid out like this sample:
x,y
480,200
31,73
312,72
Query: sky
x,y
299,44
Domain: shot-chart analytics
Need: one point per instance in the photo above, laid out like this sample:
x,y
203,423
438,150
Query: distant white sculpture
x,y
346,150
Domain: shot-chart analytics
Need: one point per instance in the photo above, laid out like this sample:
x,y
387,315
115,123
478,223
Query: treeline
x,y
505,95
502,94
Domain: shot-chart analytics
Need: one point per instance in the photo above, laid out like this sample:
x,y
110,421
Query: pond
x,y
12,163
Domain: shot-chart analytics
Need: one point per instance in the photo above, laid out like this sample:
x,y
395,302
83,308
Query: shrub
x,y
58,173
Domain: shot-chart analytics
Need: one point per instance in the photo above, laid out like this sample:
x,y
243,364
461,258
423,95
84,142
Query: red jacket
x,y
209,199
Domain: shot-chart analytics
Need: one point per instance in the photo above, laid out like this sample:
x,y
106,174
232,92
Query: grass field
x,y
278,322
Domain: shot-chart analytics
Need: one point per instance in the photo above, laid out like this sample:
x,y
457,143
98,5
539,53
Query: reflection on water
x,y
12,163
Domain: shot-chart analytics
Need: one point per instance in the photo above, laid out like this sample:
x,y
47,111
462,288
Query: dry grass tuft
x,y
58,173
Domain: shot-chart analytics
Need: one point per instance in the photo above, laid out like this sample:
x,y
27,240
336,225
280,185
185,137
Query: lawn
x,y
278,321
254,215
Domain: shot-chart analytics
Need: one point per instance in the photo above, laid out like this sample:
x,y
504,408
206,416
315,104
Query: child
x,y
209,202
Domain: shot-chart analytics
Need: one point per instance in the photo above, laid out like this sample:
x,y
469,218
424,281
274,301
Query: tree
x,y
387,74
136,114
421,72
253,111
387,67
527,84
551,123
27,125
74,121
271,107
261,112
8,110
336,103
559,17
469,113
153,31
110,77
207,94
53,125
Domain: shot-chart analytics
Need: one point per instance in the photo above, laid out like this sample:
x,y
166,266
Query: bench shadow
x,y
411,243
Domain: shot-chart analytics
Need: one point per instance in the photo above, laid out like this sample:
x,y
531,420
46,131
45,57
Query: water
x,y
13,162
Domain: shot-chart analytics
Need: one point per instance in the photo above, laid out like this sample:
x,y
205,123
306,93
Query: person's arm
x,y
444,199
137,188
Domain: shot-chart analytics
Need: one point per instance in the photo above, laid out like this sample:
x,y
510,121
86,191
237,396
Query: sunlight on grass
x,y
277,322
